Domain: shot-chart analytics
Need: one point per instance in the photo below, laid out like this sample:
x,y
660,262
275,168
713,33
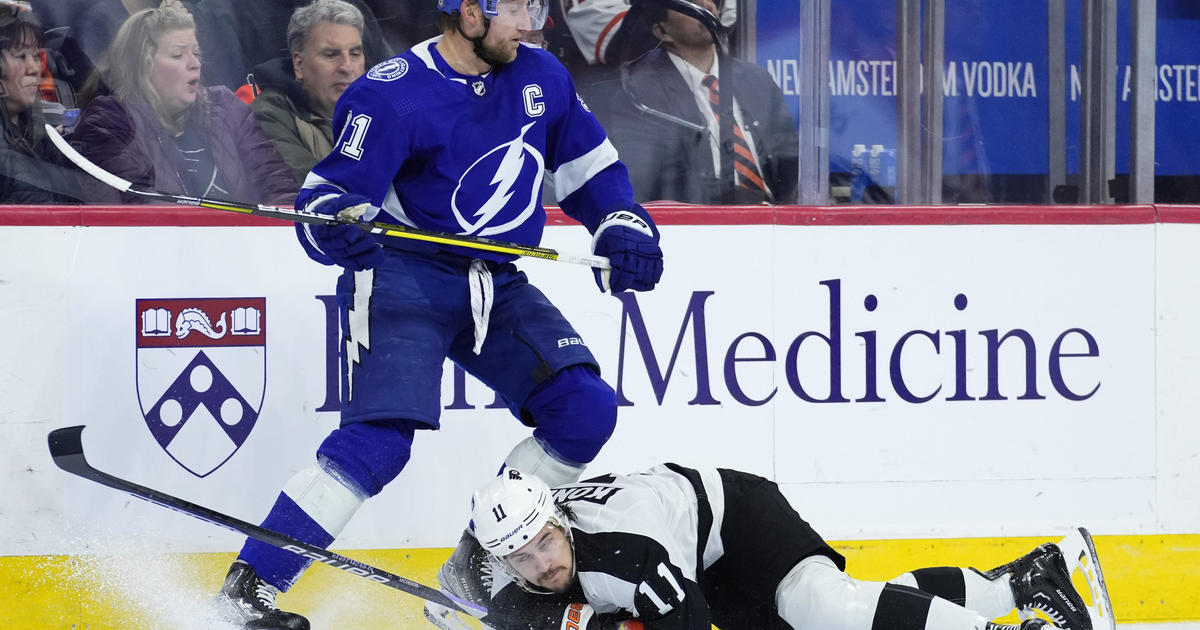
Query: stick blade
x,y
66,447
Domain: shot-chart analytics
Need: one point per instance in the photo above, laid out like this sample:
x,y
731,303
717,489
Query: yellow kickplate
x,y
1150,579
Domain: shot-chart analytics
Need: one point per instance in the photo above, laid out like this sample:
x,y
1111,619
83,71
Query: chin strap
x,y
477,42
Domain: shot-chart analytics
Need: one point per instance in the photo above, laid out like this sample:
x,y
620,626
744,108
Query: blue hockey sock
x,y
278,567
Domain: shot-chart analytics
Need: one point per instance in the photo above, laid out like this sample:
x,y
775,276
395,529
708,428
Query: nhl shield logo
x,y
201,375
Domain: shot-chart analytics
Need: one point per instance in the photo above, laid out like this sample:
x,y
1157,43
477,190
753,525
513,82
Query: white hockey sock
x,y
324,498
944,615
991,598
988,598
815,594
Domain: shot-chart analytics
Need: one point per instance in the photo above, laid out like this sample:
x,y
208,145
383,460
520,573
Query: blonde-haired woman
x,y
159,128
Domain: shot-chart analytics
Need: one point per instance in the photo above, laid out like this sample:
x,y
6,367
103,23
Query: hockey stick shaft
x,y
300,216
66,447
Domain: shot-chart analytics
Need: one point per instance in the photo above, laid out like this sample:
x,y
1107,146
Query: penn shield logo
x,y
501,189
201,374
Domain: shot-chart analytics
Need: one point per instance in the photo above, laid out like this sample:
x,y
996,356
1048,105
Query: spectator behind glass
x,y
245,33
596,32
161,129
681,159
31,169
90,26
295,107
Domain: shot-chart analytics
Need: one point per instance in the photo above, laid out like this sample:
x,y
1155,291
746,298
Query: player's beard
x,y
493,54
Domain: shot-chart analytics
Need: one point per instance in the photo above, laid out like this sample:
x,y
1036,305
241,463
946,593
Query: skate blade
x,y
1083,564
444,618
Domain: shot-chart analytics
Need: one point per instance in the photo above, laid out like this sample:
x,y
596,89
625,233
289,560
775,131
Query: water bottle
x,y
875,165
858,174
887,168
70,117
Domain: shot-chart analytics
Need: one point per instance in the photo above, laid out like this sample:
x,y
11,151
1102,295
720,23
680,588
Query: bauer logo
x,y
201,374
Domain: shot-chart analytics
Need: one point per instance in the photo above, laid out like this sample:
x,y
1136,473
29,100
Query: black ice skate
x,y
467,575
1040,581
248,600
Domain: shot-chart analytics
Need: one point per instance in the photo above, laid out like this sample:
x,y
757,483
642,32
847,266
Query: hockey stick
x,y
66,448
300,216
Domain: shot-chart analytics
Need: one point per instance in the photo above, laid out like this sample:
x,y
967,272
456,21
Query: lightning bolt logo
x,y
358,322
506,176
505,182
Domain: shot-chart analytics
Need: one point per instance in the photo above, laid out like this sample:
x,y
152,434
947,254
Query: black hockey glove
x,y
344,244
629,239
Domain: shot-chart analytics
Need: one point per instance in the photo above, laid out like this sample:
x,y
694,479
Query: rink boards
x,y
955,384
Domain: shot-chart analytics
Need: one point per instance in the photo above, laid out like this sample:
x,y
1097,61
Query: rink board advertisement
x,y
939,386
865,368
996,80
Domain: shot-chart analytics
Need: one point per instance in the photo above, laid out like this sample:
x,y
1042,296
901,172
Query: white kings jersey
x,y
635,542
441,151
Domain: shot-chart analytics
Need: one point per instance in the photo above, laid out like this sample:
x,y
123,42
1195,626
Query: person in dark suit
x,y
666,122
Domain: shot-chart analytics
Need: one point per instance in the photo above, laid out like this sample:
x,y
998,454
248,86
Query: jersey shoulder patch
x,y
389,70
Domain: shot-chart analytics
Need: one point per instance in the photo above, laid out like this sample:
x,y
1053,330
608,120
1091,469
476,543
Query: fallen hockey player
x,y
681,548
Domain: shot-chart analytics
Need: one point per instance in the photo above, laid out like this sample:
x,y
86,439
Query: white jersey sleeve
x,y
636,544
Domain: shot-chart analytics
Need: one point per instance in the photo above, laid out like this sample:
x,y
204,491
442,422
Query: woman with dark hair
x,y
31,169
159,128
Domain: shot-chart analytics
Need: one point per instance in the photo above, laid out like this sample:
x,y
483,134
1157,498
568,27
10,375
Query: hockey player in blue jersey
x,y
453,135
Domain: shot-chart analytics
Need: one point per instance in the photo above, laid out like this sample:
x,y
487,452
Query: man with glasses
x,y
454,135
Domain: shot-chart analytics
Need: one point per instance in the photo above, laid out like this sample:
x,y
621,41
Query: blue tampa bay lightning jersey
x,y
441,151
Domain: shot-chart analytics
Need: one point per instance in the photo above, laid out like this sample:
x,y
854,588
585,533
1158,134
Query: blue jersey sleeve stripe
x,y
312,242
421,51
313,180
392,206
572,175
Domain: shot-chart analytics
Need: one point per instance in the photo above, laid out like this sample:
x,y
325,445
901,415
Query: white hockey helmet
x,y
510,511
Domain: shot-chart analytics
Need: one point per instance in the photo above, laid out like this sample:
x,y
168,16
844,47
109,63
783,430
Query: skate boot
x,y
1028,624
248,601
1040,581
467,576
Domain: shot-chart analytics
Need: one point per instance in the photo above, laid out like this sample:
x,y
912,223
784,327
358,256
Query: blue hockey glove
x,y
348,246
344,244
629,239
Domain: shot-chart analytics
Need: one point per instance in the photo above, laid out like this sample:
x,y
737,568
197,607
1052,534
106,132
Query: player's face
x,y
514,21
546,561
331,60
22,68
175,70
